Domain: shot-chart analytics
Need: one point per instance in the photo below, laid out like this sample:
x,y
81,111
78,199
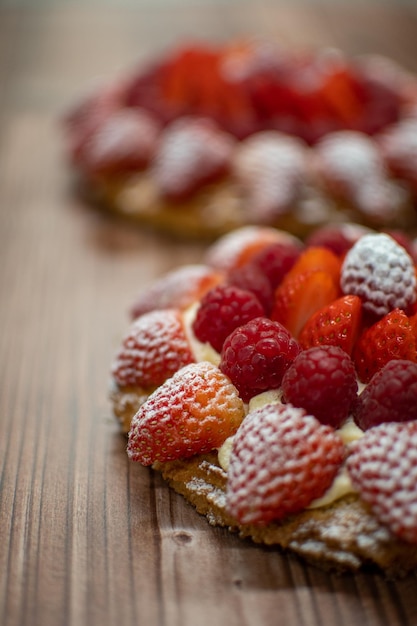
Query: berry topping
x,y
177,289
251,278
337,324
392,337
192,152
191,413
270,167
240,246
315,259
276,260
338,238
381,273
281,460
125,141
155,347
322,380
223,309
391,396
383,468
256,356
300,295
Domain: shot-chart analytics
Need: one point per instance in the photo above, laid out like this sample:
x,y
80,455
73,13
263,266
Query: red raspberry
x,y
276,260
322,380
391,396
251,278
281,460
192,413
256,356
381,273
223,309
383,468
154,348
338,238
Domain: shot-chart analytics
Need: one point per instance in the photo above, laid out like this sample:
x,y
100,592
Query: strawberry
x,y
316,258
336,324
177,289
154,348
392,337
192,152
383,468
192,413
281,460
241,245
300,295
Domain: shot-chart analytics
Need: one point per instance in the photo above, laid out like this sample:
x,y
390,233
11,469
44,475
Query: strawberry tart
x,y
274,386
206,139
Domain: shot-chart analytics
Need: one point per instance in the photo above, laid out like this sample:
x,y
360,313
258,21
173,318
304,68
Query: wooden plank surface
x,y
85,537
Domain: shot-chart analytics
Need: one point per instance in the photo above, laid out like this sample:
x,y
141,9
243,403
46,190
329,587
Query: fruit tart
x,y
274,386
209,138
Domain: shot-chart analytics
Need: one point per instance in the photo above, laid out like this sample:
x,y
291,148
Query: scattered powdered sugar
x,y
381,273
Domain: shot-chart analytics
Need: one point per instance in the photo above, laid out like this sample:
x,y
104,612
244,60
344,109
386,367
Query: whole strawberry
x,y
154,348
322,380
281,460
191,413
256,355
383,468
392,337
391,396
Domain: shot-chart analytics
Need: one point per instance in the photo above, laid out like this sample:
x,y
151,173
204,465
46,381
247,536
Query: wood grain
x,y
87,538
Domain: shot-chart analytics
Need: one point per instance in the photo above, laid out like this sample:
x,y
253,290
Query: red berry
x,y
392,337
192,152
381,273
276,260
336,324
251,278
338,238
281,460
391,396
383,468
154,348
191,413
256,356
178,289
223,309
322,380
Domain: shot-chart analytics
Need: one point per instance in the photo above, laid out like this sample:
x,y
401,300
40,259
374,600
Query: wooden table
x,y
85,537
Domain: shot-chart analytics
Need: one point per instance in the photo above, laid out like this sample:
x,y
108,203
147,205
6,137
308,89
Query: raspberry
x,y
383,468
223,309
338,238
276,260
154,348
256,356
322,380
192,413
281,460
391,396
251,278
192,152
381,273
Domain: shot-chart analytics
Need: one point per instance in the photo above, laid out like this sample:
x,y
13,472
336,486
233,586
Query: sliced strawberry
x,y
337,324
192,152
240,246
383,468
316,258
392,337
177,289
281,460
300,295
192,413
154,348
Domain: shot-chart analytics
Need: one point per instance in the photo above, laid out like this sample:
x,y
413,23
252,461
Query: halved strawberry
x,y
155,347
300,295
337,324
317,258
392,337
281,460
177,289
192,413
